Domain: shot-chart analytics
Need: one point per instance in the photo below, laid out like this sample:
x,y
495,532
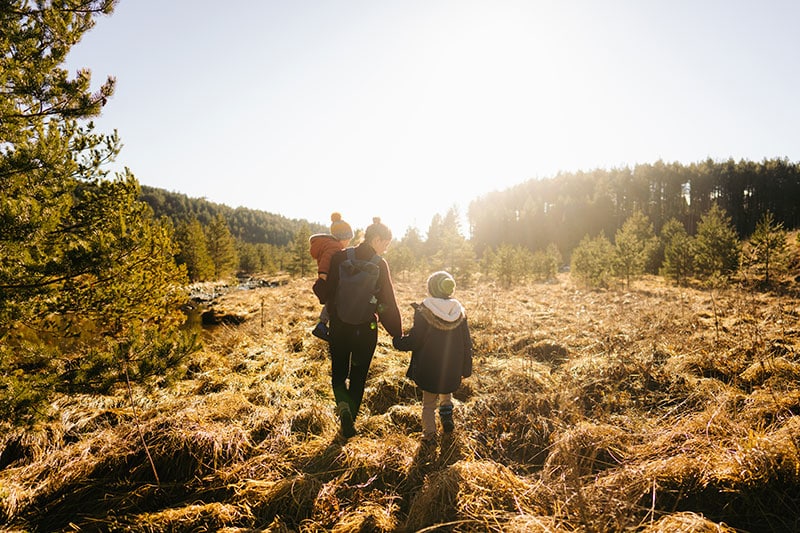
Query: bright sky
x,y
403,109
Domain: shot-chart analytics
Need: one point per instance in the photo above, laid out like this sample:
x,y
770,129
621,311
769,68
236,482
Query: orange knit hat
x,y
339,228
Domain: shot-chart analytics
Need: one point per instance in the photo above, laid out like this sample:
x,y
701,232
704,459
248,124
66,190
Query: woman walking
x,y
359,295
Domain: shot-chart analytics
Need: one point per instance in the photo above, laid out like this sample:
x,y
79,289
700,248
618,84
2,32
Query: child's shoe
x,y
446,418
320,331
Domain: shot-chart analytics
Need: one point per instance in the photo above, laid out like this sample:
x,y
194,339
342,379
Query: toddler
x,y
441,352
323,246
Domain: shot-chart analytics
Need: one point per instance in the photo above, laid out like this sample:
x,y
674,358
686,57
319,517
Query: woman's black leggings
x,y
351,349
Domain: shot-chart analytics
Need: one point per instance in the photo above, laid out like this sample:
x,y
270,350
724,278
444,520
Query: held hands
x,y
397,342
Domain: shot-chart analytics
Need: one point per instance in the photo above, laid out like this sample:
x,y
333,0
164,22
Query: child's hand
x,y
319,288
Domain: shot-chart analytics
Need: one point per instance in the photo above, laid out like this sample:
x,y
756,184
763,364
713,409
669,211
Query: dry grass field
x,y
654,409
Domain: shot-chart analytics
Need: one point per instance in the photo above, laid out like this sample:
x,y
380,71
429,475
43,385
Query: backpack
x,y
356,299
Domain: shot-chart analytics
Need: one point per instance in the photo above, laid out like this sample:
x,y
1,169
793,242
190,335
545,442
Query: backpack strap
x,y
351,255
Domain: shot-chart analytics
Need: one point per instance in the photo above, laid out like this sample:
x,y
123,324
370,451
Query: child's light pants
x,y
430,401
324,317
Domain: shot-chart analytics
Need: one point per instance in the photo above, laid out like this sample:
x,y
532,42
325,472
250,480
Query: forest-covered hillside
x,y
565,208
248,225
562,209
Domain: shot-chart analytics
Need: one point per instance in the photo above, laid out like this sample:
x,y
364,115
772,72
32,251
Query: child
x,y
323,246
441,352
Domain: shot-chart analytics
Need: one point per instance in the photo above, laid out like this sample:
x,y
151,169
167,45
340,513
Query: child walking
x,y
323,246
441,352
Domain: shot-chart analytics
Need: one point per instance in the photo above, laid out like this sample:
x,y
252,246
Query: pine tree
x,y
221,248
194,251
300,261
678,252
408,254
635,242
545,263
89,290
767,247
402,259
270,257
449,249
249,258
593,261
413,240
716,251
435,238
510,264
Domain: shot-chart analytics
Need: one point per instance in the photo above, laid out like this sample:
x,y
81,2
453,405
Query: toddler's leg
x,y
321,329
429,402
446,412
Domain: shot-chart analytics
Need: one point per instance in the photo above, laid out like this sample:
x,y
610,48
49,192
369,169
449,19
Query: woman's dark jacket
x,y
387,304
440,345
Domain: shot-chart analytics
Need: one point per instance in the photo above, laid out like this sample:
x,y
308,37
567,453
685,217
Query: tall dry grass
x,y
657,409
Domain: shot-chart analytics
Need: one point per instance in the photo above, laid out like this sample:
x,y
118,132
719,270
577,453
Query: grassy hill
x,y
656,409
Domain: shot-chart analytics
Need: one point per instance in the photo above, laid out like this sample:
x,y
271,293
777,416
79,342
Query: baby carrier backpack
x,y
356,299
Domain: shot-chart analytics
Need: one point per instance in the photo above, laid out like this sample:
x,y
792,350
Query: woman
x,y
352,345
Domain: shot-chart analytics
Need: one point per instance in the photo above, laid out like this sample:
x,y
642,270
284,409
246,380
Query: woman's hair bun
x,y
376,229
336,216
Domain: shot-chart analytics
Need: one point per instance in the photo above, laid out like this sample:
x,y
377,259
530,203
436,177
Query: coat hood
x,y
442,313
320,242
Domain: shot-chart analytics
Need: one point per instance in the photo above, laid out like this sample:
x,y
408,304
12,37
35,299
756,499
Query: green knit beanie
x,y
441,284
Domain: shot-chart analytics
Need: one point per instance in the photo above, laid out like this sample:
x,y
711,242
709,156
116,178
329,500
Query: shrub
x,y
545,263
593,261
511,264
